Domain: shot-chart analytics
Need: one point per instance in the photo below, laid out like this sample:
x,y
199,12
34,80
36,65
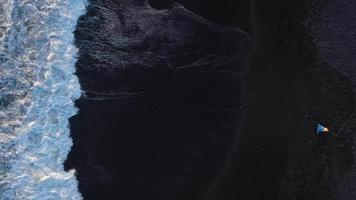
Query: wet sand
x,y
168,143
162,102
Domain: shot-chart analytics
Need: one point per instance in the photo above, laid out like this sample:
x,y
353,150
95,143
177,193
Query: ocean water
x,y
37,93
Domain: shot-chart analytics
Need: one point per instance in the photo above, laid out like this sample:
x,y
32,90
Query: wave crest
x,y
37,94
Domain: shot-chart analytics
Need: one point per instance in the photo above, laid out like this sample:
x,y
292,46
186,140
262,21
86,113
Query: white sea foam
x,y
37,93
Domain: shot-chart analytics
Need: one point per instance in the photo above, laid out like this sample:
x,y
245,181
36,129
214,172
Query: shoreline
x,y
170,141
288,89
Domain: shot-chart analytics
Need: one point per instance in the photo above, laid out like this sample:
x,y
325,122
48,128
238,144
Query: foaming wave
x,y
37,94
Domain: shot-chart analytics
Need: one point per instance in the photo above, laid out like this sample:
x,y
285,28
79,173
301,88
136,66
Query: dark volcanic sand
x,y
157,124
289,89
162,102
226,12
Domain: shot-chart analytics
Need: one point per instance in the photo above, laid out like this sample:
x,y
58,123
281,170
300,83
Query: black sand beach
x,y
162,103
180,108
289,89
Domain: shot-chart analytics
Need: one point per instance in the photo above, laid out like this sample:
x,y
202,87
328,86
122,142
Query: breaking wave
x,y
37,92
